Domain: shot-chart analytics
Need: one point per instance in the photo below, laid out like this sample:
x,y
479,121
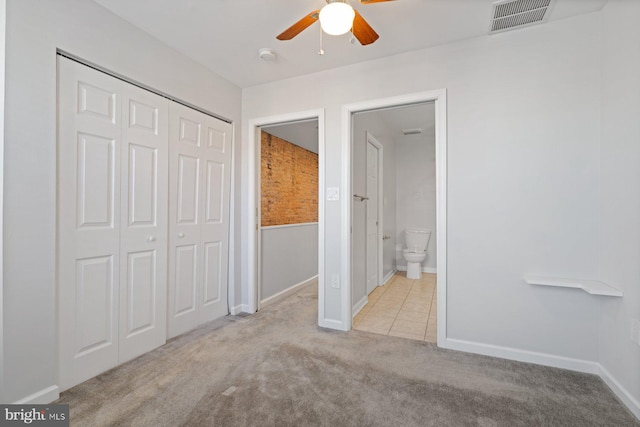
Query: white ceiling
x,y
225,35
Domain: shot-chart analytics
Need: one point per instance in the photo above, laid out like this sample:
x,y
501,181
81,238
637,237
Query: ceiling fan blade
x,y
299,26
363,31
373,1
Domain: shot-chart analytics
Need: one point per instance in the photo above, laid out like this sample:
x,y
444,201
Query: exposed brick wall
x,y
289,182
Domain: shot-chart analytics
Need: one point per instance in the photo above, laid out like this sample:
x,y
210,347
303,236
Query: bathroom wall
x,y
416,192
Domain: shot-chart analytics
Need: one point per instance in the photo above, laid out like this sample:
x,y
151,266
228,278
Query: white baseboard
x,y
431,270
289,291
389,276
622,393
41,397
527,356
359,305
545,359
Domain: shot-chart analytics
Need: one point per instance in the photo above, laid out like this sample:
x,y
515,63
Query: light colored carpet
x,y
289,372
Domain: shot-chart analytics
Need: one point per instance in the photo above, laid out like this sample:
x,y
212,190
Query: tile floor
x,y
402,308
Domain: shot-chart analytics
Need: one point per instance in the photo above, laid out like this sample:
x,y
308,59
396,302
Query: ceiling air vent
x,y
513,14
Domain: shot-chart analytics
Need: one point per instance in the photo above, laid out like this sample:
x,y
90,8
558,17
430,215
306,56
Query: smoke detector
x,y
267,54
415,131
513,14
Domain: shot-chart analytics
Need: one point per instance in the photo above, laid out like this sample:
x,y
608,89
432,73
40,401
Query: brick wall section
x,y
289,182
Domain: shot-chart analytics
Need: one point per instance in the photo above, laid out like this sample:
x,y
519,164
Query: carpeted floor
x,y
278,368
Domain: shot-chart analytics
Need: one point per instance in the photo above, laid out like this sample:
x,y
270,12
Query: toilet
x,y
417,241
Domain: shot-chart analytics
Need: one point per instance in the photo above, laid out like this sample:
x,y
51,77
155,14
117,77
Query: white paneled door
x,y
112,221
143,222
199,190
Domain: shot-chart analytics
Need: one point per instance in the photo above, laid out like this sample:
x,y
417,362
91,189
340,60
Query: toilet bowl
x,y
416,251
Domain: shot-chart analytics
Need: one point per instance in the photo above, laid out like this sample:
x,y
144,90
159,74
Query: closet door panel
x,y
215,192
143,234
141,288
200,164
94,304
213,283
185,218
186,279
95,181
89,142
188,190
215,229
143,186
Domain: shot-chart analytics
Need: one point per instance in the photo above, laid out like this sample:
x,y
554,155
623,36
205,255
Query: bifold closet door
x,y
199,189
143,226
112,186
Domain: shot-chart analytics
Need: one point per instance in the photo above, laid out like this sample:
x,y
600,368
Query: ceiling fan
x,y
337,17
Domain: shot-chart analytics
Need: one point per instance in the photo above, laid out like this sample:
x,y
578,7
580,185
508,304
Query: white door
x,y
143,226
185,143
215,214
199,190
89,142
372,223
112,179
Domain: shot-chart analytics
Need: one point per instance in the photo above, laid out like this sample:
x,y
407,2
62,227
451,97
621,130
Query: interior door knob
x,y
151,239
180,235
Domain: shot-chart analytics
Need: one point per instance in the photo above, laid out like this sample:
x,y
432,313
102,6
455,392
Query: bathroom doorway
x,y
394,221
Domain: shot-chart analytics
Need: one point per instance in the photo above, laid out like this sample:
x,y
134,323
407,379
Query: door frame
x,y
254,194
439,97
380,179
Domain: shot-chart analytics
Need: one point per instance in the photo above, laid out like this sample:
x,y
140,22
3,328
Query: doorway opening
x,y
397,215
287,209
275,272
393,218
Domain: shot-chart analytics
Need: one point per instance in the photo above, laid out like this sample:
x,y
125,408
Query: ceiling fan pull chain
x,y
321,51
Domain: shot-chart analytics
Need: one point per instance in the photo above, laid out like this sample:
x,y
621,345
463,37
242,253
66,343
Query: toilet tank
x,y
417,238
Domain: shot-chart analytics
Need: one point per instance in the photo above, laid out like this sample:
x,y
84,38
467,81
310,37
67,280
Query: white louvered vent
x,y
513,14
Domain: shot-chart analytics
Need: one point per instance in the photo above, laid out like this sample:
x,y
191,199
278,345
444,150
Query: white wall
x,y
373,123
416,190
620,192
523,141
289,256
35,29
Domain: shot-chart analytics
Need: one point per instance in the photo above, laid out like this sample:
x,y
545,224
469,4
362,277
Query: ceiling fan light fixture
x,y
336,18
